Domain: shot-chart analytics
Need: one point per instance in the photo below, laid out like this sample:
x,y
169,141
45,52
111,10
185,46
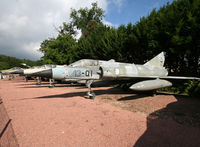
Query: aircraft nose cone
x,y
45,73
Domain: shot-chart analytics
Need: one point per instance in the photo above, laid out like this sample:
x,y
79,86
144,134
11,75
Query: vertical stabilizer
x,y
157,61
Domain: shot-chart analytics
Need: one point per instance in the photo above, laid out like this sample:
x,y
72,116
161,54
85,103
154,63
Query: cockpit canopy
x,y
89,62
85,62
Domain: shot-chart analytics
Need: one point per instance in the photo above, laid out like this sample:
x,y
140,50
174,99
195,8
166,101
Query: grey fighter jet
x,y
42,70
90,70
29,72
10,72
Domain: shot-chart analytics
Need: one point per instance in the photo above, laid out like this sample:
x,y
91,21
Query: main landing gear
x,y
90,93
51,83
25,79
38,81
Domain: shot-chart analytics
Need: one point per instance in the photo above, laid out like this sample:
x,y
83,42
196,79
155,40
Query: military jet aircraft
x,y
17,70
80,63
31,73
10,72
90,70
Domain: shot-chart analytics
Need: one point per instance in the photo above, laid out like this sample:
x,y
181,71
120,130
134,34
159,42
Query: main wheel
x,y
92,95
52,86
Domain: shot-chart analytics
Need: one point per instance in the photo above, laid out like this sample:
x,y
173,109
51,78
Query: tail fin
x,y
157,61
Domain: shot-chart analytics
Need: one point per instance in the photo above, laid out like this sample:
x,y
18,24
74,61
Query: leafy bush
x,y
192,88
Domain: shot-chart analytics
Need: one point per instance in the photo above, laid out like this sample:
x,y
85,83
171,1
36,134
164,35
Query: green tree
x,y
58,50
86,19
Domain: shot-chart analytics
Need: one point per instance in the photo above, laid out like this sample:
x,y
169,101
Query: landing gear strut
x,y
154,93
90,93
25,79
9,77
51,83
38,81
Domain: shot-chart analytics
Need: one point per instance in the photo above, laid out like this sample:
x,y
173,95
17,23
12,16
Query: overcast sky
x,y
24,24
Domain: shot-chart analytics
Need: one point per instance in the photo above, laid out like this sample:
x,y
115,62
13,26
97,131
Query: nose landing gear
x,y
90,93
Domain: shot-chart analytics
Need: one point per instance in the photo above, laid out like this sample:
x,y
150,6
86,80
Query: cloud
x,y
110,24
25,24
107,23
118,2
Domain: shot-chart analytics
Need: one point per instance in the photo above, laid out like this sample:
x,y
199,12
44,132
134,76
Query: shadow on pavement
x,y
33,85
27,84
132,97
136,95
65,95
178,124
82,94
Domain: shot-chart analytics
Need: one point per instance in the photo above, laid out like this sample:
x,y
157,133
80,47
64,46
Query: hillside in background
x,y
7,62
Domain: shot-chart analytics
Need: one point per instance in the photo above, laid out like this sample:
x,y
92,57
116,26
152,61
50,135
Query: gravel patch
x,y
62,116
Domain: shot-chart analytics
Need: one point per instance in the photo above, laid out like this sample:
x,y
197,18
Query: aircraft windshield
x,y
85,62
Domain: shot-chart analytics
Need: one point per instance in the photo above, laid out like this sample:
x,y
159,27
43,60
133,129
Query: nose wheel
x,y
90,93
